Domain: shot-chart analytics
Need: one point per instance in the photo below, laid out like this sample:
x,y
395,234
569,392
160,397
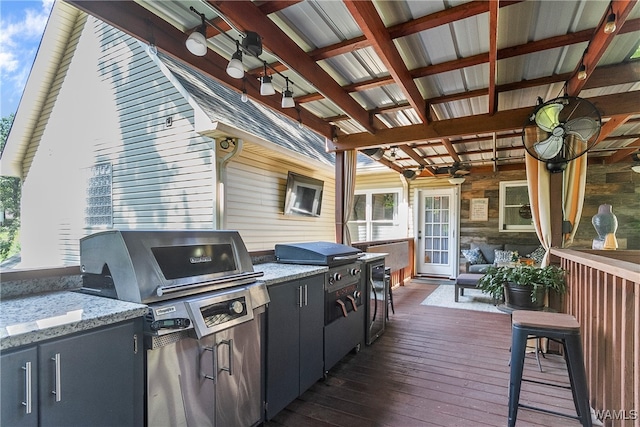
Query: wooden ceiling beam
x,y
623,153
493,56
611,125
371,25
608,105
599,44
246,16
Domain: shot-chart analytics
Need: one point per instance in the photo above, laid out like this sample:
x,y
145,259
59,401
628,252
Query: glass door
x,y
437,232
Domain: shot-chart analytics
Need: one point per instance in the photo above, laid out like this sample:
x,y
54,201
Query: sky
x,y
22,23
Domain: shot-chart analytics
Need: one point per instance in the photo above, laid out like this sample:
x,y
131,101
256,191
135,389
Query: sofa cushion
x,y
537,255
502,257
478,268
474,256
523,250
488,251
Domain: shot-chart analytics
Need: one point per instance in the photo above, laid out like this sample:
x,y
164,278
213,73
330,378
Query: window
x,y
375,216
515,210
98,210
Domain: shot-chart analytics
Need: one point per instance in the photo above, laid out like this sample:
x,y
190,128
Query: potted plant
x,y
522,286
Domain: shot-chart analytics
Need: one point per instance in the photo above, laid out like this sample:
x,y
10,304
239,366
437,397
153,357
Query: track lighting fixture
x,y
266,87
582,72
197,41
610,25
251,45
287,96
234,68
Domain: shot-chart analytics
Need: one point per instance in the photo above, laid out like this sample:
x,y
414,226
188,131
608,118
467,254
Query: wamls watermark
x,y
618,415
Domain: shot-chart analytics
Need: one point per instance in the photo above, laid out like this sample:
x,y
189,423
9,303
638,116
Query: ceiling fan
x,y
454,173
561,130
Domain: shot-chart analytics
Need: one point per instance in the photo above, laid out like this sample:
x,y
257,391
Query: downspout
x,y
221,179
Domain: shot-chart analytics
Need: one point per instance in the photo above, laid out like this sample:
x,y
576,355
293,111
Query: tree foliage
x,y
9,200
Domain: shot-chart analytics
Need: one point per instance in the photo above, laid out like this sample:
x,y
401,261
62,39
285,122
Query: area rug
x,y
473,299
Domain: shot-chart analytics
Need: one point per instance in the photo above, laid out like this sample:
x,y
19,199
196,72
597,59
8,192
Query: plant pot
x,y
519,297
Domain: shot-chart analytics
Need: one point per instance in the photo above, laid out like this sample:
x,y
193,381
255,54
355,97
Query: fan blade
x,y
583,127
547,116
549,148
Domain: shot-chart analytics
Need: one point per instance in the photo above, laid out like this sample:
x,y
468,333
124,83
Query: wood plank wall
x,y
604,296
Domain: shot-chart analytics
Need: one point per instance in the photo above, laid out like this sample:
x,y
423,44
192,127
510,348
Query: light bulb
x,y
610,26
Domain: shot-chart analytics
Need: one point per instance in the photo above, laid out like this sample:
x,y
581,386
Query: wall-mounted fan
x,y
561,130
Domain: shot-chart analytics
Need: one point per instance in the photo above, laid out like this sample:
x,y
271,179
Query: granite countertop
x,y
278,273
34,318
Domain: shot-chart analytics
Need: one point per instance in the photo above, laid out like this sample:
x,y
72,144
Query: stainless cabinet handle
x,y
306,295
300,296
27,387
215,364
135,343
229,344
57,386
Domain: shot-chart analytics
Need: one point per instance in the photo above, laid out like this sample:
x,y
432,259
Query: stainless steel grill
x,y
204,324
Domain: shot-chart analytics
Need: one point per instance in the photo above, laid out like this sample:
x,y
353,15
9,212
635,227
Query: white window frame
x,y
369,222
511,228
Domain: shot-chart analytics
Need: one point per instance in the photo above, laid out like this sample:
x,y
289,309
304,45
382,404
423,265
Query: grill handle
x,y
161,290
347,257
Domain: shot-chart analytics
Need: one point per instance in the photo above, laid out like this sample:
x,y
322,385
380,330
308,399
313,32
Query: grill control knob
x,y
356,294
236,307
354,271
337,276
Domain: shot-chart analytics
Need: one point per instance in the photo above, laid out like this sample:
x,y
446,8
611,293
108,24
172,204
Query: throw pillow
x,y
503,256
474,256
537,255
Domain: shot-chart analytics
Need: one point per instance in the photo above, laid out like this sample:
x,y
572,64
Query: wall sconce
x,y
197,42
456,180
374,153
287,96
610,26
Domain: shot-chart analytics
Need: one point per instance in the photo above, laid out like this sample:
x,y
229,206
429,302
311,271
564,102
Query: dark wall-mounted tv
x,y
303,195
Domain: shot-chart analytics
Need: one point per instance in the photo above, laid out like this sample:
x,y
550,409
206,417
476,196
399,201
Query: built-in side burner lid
x,y
316,253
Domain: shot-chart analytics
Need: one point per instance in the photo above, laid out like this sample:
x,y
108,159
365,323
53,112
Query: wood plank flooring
x,y
432,367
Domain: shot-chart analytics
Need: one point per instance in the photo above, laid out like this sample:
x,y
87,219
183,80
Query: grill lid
x,y
316,253
148,266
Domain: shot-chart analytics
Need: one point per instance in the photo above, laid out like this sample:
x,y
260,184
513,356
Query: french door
x,y
436,231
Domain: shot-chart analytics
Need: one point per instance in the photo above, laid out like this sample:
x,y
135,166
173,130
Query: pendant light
x,y
197,42
234,68
266,87
610,25
287,96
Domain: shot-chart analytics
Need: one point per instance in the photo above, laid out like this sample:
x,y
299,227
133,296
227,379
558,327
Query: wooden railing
x,y
604,296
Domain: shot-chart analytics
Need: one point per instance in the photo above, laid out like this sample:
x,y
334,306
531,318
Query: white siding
x,y
109,103
256,182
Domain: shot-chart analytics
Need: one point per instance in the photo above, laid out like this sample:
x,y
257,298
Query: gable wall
x,y
109,103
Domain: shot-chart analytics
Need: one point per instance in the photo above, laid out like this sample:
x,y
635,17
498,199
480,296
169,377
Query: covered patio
x,y
433,366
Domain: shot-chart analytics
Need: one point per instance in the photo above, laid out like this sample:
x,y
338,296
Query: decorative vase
x,y
605,222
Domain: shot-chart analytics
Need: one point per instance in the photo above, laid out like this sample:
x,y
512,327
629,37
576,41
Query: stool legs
x,y
518,348
575,365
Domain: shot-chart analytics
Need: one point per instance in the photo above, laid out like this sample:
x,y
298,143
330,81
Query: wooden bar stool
x,y
559,327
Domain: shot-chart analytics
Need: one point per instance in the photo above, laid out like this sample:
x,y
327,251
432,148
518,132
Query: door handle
x,y
57,386
306,295
229,344
300,296
214,363
27,388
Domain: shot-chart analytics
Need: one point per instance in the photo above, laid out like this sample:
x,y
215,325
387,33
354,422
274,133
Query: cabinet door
x,y
239,377
19,388
312,332
92,379
283,343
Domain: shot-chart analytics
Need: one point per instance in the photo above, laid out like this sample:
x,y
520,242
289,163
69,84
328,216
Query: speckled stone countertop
x,y
278,273
34,318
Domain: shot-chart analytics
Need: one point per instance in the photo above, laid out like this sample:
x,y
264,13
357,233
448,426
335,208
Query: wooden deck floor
x,y
432,367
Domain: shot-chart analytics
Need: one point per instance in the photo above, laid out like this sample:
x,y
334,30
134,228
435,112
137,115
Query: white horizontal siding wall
x,y
256,182
109,104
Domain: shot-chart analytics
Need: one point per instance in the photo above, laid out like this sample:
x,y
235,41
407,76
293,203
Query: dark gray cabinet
x,y
294,344
92,378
